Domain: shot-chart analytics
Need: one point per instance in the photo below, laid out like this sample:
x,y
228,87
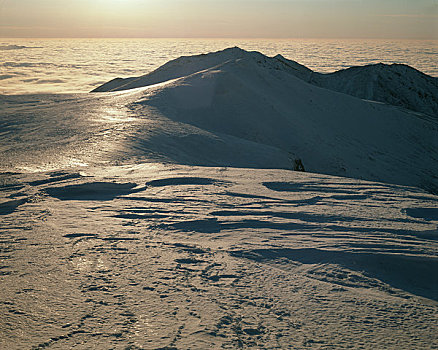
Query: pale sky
x,y
396,19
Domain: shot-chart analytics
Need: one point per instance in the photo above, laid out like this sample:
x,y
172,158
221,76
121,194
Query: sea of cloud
x,y
79,65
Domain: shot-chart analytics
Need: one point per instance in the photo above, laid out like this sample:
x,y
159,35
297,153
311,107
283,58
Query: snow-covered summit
x,y
187,65
396,84
177,68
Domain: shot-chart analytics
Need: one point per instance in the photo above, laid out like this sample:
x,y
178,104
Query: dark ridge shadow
x,y
212,225
429,214
190,248
347,190
54,179
116,239
309,201
298,187
427,234
10,206
80,235
309,217
251,196
11,187
414,274
164,200
132,216
338,193
151,199
176,181
99,191
318,218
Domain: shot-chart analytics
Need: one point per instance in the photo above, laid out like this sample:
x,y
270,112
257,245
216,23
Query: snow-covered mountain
x,y
187,65
178,68
267,102
395,84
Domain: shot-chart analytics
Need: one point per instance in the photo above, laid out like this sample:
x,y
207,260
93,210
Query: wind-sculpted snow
x,y
215,258
407,272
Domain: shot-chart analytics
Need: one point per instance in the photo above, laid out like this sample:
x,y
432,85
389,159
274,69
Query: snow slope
x,y
177,68
395,84
236,114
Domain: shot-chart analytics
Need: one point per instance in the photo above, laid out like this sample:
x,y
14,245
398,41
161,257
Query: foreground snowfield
x,y
150,256
159,217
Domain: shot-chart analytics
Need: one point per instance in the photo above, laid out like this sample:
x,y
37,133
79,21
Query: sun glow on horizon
x,y
226,18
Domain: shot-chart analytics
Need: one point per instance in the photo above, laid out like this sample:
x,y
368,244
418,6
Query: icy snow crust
x,y
163,256
157,217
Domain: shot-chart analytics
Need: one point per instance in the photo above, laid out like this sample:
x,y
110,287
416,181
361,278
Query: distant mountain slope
x,y
395,84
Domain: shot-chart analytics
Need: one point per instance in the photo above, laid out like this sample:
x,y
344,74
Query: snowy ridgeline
x,y
112,235
395,84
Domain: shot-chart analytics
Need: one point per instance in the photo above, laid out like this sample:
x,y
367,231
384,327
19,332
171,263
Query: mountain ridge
x,y
395,84
330,132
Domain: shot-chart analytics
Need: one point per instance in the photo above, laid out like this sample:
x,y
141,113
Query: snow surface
x,y
159,217
152,256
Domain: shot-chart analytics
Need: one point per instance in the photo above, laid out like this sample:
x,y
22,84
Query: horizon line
x,y
222,38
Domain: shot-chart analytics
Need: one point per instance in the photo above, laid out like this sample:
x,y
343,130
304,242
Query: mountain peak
x,y
177,68
395,84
